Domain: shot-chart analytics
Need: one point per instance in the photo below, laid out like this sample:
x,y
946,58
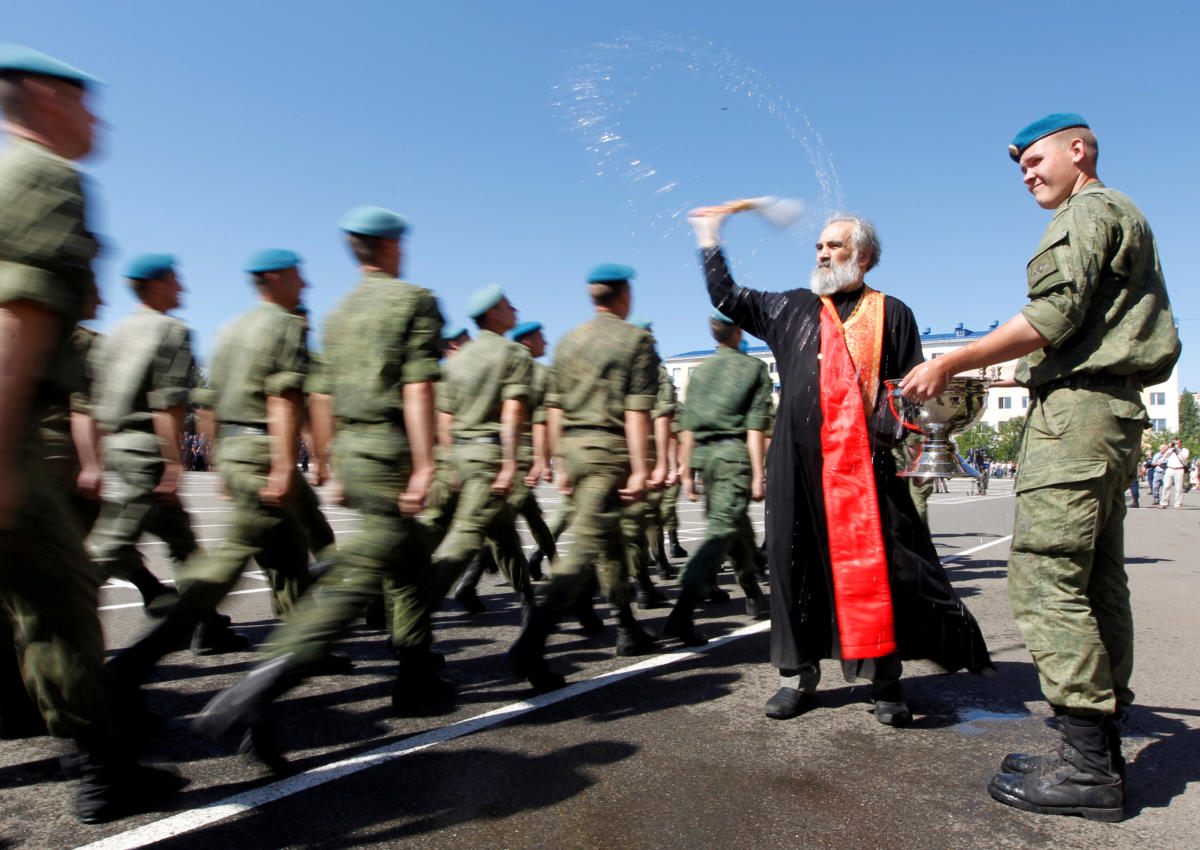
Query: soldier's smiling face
x,y
1049,168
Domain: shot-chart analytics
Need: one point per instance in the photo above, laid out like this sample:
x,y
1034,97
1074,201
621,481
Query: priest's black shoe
x,y
787,703
891,713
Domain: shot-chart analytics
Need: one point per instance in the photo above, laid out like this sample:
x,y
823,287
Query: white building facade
x,y
1161,400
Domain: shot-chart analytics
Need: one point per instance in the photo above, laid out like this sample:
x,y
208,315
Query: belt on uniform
x,y
580,431
714,440
236,430
362,426
1090,380
493,439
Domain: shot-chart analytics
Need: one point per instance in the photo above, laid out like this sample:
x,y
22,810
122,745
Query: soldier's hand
x,y
758,489
657,476
564,481
322,473
535,474
503,483
926,380
689,488
280,484
335,493
634,489
412,500
88,482
168,485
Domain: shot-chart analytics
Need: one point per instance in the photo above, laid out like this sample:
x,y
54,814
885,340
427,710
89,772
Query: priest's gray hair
x,y
863,237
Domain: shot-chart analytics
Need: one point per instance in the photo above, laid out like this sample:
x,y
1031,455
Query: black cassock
x,y
930,621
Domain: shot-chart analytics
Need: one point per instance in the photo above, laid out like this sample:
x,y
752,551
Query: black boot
x,y
157,598
113,784
665,571
535,564
718,595
649,596
677,551
1083,781
466,595
526,658
213,636
757,607
679,622
247,703
1027,763
631,637
374,616
418,690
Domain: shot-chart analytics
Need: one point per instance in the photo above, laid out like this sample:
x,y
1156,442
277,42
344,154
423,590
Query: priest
x,y
854,573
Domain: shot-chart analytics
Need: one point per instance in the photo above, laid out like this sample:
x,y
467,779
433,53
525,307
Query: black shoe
x,y
113,785
719,595
247,703
589,621
787,703
757,608
679,625
469,600
214,637
634,641
651,597
333,663
525,659
160,601
259,744
892,713
535,565
1083,781
665,571
677,551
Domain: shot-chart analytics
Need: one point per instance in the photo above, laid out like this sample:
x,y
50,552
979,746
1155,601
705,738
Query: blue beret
x,y
608,272
1041,128
718,316
16,58
525,328
639,322
484,300
272,260
374,221
452,331
149,266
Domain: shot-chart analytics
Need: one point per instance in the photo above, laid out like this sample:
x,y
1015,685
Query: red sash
x,y
861,593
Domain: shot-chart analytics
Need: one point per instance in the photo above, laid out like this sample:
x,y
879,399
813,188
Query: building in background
x,y
1161,400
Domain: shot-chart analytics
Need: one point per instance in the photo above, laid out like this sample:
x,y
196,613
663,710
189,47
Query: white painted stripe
x,y
978,548
220,810
139,604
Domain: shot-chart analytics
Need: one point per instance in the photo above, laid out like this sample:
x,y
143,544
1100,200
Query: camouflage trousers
x,y
918,488
275,537
725,465
48,592
374,464
666,508
480,515
441,502
1066,573
137,466
598,466
525,505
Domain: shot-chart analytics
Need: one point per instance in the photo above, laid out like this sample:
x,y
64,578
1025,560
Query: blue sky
x,y
527,142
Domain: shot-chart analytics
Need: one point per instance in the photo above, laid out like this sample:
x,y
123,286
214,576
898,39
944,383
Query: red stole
x,y
861,592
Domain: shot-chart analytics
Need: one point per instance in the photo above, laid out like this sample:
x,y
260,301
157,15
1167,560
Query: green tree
x,y
1189,421
1008,440
979,436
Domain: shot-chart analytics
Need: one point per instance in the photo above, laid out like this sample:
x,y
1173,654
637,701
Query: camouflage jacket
x,y
728,395
486,372
144,364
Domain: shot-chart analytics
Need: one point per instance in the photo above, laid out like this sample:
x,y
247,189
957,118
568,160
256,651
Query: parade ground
x,y
668,750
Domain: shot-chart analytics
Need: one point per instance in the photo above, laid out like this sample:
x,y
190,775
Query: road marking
x,y
221,810
978,548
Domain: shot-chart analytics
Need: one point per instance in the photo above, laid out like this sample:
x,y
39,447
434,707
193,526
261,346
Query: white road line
x,y
220,810
139,604
978,548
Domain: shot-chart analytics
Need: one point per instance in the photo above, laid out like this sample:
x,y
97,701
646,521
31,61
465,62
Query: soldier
x,y
722,435
257,380
482,409
381,353
443,497
144,373
601,390
1097,328
47,584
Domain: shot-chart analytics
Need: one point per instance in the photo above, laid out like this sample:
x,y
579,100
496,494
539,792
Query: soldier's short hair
x,y
722,331
1091,145
365,248
607,293
863,237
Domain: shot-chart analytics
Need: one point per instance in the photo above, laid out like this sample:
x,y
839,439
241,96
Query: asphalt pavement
x,y
670,750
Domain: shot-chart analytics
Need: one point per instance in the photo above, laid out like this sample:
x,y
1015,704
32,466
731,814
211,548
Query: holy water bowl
x,y
938,418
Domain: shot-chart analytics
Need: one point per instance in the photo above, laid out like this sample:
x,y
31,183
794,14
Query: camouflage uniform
x,y
640,521
522,499
74,398
383,335
144,365
1097,294
728,395
47,584
486,372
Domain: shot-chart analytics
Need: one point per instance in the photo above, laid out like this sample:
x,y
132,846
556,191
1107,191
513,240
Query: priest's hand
x,y
706,224
926,380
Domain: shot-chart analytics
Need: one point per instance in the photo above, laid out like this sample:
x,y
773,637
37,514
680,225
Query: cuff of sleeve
x,y
512,391
418,371
640,402
282,382
203,397
1048,321
80,403
166,397
757,423
552,400
19,282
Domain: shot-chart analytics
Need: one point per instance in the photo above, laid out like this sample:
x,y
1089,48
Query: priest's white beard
x,y
831,277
